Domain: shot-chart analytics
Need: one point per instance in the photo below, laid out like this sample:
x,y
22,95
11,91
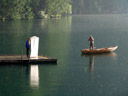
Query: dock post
x,y
21,55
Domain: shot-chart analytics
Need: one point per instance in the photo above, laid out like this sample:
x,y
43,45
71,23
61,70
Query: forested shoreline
x,y
100,7
25,9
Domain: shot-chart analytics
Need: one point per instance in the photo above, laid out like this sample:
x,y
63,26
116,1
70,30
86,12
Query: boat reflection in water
x,y
92,56
34,76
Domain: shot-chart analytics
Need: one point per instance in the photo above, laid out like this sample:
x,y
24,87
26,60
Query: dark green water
x,y
74,74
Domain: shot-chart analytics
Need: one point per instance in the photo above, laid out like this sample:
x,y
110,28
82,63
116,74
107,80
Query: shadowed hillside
x,y
100,6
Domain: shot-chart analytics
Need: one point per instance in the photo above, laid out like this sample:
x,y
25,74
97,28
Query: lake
x,y
74,74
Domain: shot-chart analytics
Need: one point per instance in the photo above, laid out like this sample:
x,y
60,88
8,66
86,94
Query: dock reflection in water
x,y
92,56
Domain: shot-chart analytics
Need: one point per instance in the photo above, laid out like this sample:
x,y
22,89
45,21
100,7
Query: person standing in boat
x,y
28,45
91,40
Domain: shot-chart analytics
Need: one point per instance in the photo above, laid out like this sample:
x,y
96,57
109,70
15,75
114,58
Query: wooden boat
x,y
99,50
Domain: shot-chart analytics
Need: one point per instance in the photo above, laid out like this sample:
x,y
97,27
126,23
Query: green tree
x,y
15,9
24,9
57,7
35,6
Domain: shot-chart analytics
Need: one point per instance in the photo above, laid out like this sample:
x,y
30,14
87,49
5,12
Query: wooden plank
x,y
17,59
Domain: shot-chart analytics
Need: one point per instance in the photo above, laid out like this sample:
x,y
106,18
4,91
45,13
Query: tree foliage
x,y
15,9
23,9
58,7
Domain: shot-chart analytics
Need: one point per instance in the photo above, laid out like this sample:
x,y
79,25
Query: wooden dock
x,y
18,59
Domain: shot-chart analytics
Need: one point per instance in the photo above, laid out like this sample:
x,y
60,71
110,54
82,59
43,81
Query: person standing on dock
x,y
91,40
28,45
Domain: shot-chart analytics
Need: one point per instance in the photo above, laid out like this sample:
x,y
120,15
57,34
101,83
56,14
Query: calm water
x,y
74,74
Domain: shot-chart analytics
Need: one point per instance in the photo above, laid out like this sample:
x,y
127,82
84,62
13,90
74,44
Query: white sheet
x,y
34,47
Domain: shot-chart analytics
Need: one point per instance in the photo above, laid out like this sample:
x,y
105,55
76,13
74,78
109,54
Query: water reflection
x,y
34,76
112,55
91,62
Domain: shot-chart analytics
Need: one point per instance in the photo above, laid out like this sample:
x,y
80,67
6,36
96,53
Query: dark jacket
x,y
27,44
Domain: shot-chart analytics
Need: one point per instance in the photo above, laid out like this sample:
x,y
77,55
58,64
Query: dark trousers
x,y
28,52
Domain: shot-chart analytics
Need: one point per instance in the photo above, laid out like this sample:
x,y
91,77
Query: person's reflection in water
x,y
34,76
91,60
27,71
91,63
